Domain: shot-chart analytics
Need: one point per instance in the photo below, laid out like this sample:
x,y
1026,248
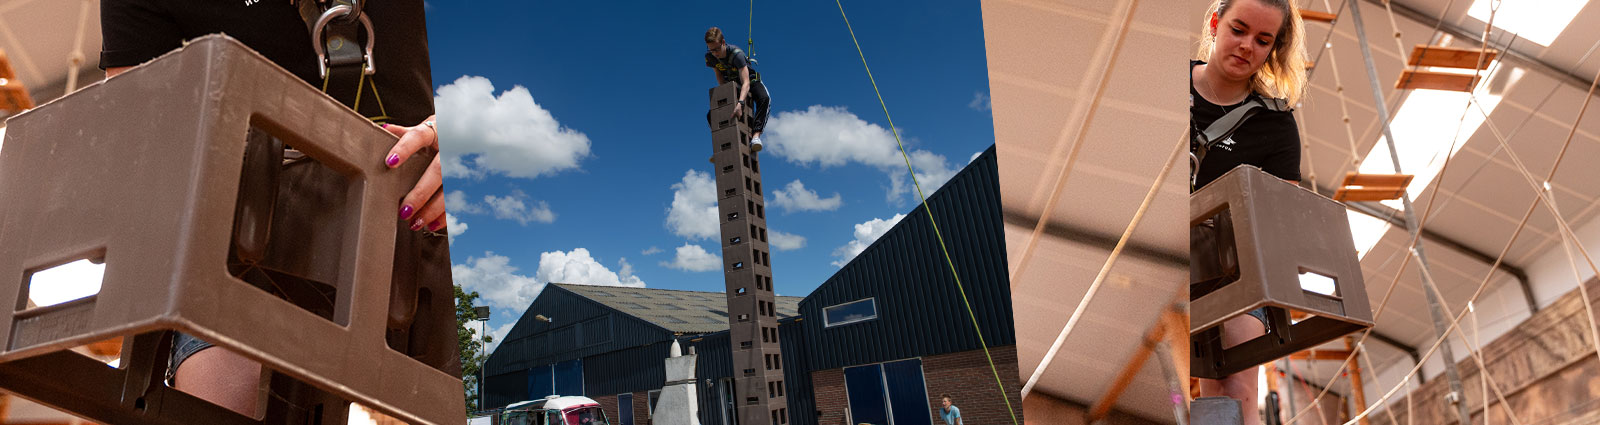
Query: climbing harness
x,y
343,61
1224,127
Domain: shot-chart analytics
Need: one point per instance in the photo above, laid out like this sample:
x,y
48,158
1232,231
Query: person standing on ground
x,y
950,413
730,64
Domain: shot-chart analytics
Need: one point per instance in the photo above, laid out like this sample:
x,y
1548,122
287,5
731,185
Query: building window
x,y
654,395
851,312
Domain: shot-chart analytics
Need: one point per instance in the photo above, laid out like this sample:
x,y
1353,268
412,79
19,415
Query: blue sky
x,y
576,146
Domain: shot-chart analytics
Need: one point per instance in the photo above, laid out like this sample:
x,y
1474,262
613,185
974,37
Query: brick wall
x,y
969,381
827,388
965,376
641,408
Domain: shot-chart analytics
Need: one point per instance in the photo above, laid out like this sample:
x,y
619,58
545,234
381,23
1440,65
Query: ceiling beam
x,y
1099,239
1409,350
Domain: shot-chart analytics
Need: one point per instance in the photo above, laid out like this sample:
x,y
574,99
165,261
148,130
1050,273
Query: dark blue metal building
x,y
888,320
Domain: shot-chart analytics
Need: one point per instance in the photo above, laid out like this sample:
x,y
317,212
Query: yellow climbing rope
x,y
923,200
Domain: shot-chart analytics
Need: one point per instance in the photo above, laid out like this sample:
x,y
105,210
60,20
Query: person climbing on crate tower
x,y
730,64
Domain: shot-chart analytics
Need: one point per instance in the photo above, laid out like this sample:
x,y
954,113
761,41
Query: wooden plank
x,y
1334,355
1429,80
107,348
6,71
1358,179
1312,15
1372,187
1356,391
1545,365
1368,194
14,98
1102,407
1449,57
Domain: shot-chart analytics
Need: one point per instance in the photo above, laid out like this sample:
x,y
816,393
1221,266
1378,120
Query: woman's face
x,y
1245,34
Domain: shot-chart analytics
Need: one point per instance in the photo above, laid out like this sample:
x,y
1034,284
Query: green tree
x,y
472,349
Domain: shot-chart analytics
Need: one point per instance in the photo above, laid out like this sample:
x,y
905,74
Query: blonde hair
x,y
1284,73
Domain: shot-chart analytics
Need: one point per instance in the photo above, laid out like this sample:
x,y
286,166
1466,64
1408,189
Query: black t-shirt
x,y
1269,140
136,31
730,64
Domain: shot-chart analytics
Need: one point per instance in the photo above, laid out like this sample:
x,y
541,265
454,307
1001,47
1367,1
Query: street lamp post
x,y
482,314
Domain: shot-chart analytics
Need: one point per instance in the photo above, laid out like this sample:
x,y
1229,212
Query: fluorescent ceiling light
x,y
1537,21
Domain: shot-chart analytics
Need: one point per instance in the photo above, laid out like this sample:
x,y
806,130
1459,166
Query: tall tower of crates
x,y
746,265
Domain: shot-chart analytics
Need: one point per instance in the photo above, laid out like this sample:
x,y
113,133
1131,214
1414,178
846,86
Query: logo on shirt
x,y
1226,144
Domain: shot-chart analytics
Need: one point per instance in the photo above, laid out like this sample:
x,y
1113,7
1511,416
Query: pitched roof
x,y
675,310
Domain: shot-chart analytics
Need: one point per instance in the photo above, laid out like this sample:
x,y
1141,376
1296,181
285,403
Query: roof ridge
x,y
655,289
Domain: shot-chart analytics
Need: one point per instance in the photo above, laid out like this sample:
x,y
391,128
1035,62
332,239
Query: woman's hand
x,y
423,208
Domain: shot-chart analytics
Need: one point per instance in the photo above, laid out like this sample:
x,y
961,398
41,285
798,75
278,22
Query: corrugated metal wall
x,y
797,373
714,363
920,312
629,370
532,343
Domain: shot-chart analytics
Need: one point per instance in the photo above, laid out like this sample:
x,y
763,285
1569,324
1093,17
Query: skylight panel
x,y
1425,126
1537,21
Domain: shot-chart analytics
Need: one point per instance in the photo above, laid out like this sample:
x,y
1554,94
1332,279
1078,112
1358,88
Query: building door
x,y
908,395
568,377
539,383
730,411
863,387
625,409
888,394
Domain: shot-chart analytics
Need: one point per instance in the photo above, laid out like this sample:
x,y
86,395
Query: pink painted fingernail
x,y
405,212
416,225
393,160
384,125
436,225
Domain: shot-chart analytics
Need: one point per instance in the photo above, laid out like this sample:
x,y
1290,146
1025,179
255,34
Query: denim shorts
x,y
1260,314
183,346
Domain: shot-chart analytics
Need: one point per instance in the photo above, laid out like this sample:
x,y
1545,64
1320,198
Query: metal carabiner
x,y
327,17
356,11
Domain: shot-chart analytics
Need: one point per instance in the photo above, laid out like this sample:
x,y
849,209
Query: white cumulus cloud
x,y
493,277
504,289
795,197
515,206
693,258
512,207
453,227
833,136
650,251
499,334
786,241
577,266
865,234
980,102
693,213
456,202
482,134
